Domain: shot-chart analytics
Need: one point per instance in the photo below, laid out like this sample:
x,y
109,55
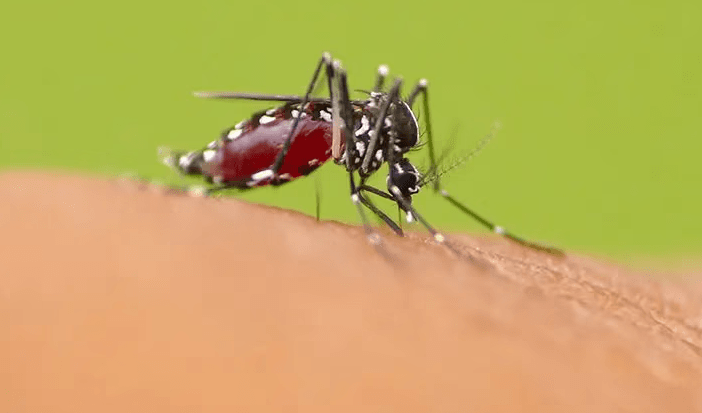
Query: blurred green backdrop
x,y
600,101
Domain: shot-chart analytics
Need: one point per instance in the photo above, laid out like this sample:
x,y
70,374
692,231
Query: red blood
x,y
256,149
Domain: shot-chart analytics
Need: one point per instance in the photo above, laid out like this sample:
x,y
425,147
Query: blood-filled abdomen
x,y
253,147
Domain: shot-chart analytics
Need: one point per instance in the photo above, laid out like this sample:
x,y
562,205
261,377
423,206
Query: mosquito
x,y
292,140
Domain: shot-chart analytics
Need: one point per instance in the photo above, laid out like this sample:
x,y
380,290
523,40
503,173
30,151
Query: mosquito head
x,y
403,181
405,177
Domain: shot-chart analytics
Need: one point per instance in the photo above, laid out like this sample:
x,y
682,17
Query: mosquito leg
x,y
376,191
399,215
393,95
438,237
317,200
362,187
383,194
344,109
407,206
272,172
324,61
421,88
396,228
373,238
383,71
498,229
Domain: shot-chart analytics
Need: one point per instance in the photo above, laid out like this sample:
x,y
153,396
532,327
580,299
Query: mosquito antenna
x,y
444,153
436,173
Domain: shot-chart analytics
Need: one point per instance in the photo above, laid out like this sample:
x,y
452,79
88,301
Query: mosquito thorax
x,y
406,127
401,118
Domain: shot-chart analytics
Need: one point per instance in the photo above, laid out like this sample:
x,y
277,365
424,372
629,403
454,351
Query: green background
x,y
600,101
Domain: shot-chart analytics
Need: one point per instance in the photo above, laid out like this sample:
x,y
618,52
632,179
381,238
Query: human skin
x,y
119,296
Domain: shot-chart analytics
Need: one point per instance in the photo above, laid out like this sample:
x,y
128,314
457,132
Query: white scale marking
x,y
265,119
208,155
260,176
325,115
234,133
365,126
360,147
295,113
379,154
186,160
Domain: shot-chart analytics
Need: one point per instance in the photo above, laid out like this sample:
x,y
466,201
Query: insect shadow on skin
x,y
277,145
